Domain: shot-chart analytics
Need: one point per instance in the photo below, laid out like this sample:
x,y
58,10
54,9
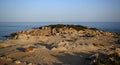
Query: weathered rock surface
x,y
60,45
60,29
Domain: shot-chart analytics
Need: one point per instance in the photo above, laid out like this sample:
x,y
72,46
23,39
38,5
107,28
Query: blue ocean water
x,y
6,28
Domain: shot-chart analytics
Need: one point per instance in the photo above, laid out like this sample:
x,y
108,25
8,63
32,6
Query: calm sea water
x,y
6,28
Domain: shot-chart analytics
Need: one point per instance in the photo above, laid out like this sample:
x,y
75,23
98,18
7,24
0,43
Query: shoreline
x,y
107,26
57,44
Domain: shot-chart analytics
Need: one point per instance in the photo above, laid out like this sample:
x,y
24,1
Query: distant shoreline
x,y
6,28
60,42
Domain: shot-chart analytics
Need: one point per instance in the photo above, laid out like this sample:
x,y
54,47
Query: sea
x,y
6,28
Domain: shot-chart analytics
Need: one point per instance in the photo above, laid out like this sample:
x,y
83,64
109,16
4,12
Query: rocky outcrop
x,y
59,29
59,43
111,58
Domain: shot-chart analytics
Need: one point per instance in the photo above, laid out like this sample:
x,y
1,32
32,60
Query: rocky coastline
x,y
61,44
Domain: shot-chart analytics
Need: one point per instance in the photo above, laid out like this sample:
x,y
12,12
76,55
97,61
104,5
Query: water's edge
x,y
6,28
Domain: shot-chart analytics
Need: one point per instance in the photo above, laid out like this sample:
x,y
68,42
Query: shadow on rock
x,y
75,59
21,49
48,46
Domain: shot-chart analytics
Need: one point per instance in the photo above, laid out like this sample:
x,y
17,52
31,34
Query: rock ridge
x,y
60,29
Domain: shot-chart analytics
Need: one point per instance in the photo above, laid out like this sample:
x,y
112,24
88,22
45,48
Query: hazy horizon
x,y
59,10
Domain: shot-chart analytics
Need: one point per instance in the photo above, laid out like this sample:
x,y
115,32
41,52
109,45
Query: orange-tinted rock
x,y
29,49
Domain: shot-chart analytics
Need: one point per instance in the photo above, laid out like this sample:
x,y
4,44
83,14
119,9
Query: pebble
x,y
1,57
17,62
9,59
24,63
5,57
29,64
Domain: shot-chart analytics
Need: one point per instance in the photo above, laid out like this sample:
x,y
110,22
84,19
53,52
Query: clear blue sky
x,y
59,10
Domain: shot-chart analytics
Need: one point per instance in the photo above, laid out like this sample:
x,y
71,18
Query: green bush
x,y
78,38
76,27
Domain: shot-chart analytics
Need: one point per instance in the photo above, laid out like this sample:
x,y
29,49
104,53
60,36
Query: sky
x,y
59,10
